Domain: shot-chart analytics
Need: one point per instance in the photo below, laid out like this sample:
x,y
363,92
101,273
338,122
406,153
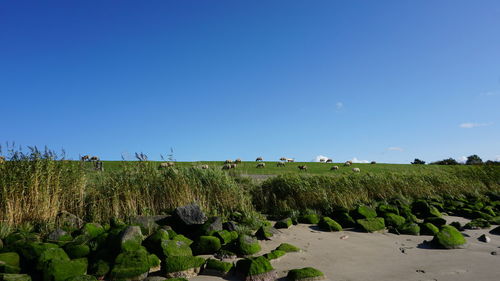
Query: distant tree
x,y
418,162
449,161
490,162
474,160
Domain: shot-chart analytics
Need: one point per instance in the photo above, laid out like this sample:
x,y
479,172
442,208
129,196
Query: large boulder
x,y
394,220
59,235
50,255
265,232
182,266
68,221
153,242
206,245
217,268
256,269
328,224
58,270
226,237
409,228
92,230
284,223
364,212
449,237
371,224
287,248
131,238
309,219
9,262
190,215
175,248
149,224
132,265
247,245
211,226
305,274
428,228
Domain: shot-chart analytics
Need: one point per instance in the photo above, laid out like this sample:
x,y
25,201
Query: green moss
x,y
304,273
82,278
153,242
309,219
32,250
409,228
9,262
217,265
428,228
226,237
449,237
288,248
263,233
364,212
253,266
92,230
394,220
371,224
344,219
131,239
284,223
477,223
182,263
100,268
154,261
386,208
327,224
52,254
175,248
275,254
131,264
77,251
180,237
15,277
58,270
495,220
247,245
206,245
171,233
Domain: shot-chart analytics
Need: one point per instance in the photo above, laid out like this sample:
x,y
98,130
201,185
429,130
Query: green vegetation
x,y
287,248
304,273
449,237
328,224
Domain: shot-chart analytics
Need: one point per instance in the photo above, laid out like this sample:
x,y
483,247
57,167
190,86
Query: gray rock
x,y
484,238
495,230
67,219
56,234
213,224
131,238
494,253
149,223
229,226
190,215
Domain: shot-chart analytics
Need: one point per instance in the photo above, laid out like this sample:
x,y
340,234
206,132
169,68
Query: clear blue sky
x,y
377,80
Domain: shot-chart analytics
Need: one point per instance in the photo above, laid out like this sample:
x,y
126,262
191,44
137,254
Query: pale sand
x,y
380,257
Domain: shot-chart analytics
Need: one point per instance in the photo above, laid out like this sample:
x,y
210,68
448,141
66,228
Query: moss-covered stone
x,y
364,212
226,236
131,239
247,245
394,220
449,237
275,254
206,245
9,262
383,209
253,266
495,220
371,224
428,228
306,273
92,230
77,251
220,266
175,248
264,233
309,219
477,224
100,268
180,237
288,248
284,223
437,221
182,263
15,277
153,242
32,250
344,219
131,264
82,278
409,228
58,270
328,224
49,255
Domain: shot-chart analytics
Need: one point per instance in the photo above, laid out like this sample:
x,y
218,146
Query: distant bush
x,y
449,161
418,162
490,162
474,160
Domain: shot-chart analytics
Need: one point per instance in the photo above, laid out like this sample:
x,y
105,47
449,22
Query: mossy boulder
x,y
449,237
180,237
15,277
247,245
328,224
477,224
275,254
305,274
206,245
30,251
100,268
309,219
364,212
175,248
383,209
428,228
58,270
495,220
52,254
217,267
265,232
132,265
183,266
394,220
131,238
344,219
409,228
371,224
153,242
92,230
287,248
82,278
254,266
226,236
77,251
59,236
9,262
284,223
422,209
212,225
437,221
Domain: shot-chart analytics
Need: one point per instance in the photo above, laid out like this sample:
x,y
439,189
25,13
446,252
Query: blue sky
x,y
373,80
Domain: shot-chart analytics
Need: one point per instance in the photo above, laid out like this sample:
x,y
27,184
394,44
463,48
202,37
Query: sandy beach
x,y
384,256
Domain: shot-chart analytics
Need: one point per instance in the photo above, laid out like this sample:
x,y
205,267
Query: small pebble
x,y
484,238
493,253
344,237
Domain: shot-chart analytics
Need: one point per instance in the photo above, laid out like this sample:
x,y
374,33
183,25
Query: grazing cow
x,y
226,167
348,163
329,160
290,160
280,164
228,161
302,167
233,166
373,162
356,170
283,159
334,168
204,167
94,158
167,164
85,158
261,165
259,159
237,161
